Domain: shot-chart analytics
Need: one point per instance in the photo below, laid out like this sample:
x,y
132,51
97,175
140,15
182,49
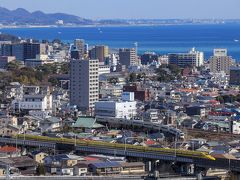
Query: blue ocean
x,y
160,39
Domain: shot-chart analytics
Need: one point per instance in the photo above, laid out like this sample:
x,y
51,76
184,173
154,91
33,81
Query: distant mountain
x,y
21,16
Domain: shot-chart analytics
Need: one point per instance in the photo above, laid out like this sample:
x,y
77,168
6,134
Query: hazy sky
x,y
97,9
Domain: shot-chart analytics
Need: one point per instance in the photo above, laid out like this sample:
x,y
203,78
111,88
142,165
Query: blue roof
x,y
59,157
106,164
237,117
36,152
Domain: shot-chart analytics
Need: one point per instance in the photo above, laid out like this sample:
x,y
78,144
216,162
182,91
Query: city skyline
x,y
134,9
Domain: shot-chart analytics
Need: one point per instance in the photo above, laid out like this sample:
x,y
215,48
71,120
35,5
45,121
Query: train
x,y
128,147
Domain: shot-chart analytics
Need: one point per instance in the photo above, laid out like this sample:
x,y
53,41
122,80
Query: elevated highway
x,y
199,159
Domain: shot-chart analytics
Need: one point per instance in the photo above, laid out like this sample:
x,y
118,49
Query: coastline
x,y
111,25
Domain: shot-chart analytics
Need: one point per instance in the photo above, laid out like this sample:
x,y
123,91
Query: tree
x,y
13,65
133,77
66,128
64,68
41,170
53,81
220,99
113,80
141,76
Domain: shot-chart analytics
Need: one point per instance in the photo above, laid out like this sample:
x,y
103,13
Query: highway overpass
x,y
151,154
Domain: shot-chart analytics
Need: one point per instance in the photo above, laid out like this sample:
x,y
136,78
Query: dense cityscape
x,y
74,109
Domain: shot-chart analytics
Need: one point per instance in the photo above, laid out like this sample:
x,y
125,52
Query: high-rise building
x,y
79,45
78,49
84,84
127,57
192,58
86,49
6,50
23,51
234,76
148,58
220,61
99,52
76,54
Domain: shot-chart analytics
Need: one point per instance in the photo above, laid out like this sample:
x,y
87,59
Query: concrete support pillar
x,y
187,169
151,166
235,176
148,166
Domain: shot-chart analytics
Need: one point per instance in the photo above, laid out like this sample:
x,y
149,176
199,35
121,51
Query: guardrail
x,y
17,141
199,158
117,146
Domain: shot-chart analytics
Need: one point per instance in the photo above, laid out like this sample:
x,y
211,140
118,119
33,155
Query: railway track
x,y
209,135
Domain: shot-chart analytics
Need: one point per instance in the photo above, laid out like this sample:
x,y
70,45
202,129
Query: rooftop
x,y
86,122
8,149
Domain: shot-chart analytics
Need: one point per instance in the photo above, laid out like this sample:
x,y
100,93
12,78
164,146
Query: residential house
x,y
33,98
105,168
132,168
80,169
23,165
196,110
61,164
38,156
30,122
9,151
68,122
140,94
51,124
152,115
5,120
9,130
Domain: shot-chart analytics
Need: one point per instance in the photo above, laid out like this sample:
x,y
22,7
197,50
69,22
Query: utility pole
x,y
8,177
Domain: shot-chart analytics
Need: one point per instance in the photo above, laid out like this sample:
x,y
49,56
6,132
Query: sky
x,y
133,9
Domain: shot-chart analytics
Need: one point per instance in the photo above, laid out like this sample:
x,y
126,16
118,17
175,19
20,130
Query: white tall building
x,y
193,58
220,61
125,109
33,98
84,83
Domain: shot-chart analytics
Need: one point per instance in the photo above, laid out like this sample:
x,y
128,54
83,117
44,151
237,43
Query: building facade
x,y
33,98
99,52
23,51
127,57
192,58
4,60
79,44
148,58
234,76
123,109
220,61
84,83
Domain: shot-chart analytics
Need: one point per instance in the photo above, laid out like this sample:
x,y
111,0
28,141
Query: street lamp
x,y
175,146
17,138
75,140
